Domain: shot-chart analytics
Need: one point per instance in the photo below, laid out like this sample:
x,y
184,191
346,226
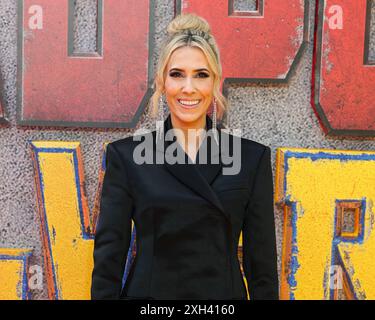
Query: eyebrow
x,y
196,70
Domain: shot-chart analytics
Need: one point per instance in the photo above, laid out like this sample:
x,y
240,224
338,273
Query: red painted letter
x,y
255,46
343,92
108,88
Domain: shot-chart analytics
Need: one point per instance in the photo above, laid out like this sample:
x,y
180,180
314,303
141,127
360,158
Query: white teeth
x,y
189,103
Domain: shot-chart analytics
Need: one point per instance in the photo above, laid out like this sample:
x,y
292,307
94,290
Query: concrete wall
x,y
278,115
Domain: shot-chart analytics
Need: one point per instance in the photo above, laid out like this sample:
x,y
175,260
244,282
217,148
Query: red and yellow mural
x,y
14,273
328,236
326,196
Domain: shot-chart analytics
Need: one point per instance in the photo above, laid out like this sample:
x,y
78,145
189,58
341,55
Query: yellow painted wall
x,y
13,273
64,219
310,182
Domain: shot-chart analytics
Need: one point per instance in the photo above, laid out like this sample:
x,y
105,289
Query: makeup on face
x,y
188,86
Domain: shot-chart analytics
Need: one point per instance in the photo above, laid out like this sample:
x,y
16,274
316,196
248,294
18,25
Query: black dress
x,y
188,219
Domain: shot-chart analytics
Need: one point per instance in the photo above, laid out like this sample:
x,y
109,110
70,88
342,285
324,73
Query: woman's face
x,y
188,87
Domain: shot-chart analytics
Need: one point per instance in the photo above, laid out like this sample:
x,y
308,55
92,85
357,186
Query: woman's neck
x,y
185,126
190,135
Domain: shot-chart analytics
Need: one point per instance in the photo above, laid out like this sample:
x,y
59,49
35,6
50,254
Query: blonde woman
x,y
190,208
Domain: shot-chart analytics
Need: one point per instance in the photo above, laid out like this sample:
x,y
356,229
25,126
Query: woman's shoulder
x,y
125,146
122,142
247,145
132,140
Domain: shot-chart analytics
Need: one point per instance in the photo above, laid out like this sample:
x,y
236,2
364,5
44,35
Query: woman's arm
x,y
113,230
259,240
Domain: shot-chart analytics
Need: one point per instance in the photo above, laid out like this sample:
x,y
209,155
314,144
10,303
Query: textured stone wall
x,y
278,115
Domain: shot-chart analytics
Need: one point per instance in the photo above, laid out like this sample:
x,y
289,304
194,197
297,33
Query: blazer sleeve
x,y
113,229
259,240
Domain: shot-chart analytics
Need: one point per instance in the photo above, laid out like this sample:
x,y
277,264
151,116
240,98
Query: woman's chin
x,y
188,117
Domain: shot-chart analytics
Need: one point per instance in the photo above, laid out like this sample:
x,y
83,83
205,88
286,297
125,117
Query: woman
x,y
188,216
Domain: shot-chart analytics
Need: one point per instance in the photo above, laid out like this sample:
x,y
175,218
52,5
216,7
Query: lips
x,y
189,104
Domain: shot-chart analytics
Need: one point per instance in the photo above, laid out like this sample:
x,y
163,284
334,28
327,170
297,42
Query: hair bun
x,y
184,23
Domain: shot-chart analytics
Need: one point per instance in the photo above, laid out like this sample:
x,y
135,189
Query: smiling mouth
x,y
188,104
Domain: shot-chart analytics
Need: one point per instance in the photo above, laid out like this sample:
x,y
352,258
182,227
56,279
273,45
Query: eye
x,y
203,75
175,74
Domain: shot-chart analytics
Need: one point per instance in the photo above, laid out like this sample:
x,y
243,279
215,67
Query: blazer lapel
x,y
198,177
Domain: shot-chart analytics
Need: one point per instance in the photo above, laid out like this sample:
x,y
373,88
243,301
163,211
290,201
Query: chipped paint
x,y
86,76
343,103
64,218
13,273
310,182
276,53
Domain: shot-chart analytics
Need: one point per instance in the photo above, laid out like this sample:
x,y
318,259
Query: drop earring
x,y
160,118
214,120
161,109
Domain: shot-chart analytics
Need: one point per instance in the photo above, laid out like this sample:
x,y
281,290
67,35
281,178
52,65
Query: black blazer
x,y
188,219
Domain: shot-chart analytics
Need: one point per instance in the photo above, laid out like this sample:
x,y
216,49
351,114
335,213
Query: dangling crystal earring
x,y
214,115
214,119
161,108
160,118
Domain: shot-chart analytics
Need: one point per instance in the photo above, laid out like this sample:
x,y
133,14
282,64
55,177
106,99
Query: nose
x,y
188,85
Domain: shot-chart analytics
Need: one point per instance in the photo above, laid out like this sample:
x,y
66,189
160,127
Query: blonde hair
x,y
194,31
